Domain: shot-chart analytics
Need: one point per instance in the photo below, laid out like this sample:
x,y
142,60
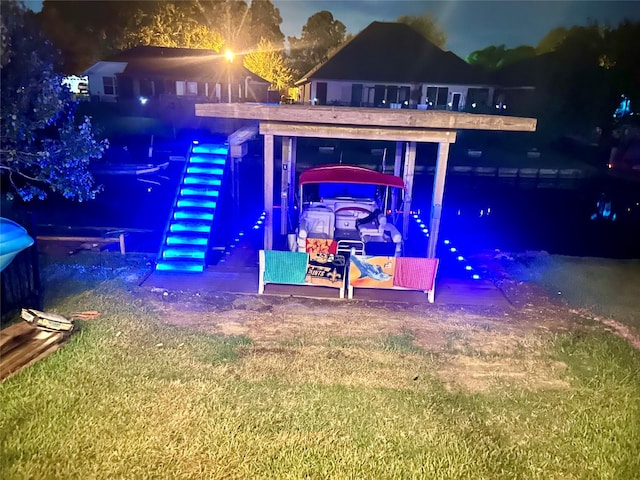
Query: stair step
x,y
192,214
196,202
197,252
203,191
186,226
205,170
212,148
180,266
186,239
201,180
210,159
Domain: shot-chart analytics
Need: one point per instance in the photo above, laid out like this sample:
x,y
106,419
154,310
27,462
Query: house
x,y
144,73
392,65
522,85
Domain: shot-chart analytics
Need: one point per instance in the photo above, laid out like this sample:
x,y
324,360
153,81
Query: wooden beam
x,y
94,240
403,118
397,165
351,132
268,192
287,180
436,202
243,134
409,169
234,163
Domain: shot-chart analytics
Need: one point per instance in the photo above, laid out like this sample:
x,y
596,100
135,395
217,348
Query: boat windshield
x,y
334,190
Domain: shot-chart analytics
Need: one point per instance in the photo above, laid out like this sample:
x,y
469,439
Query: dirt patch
x,y
277,319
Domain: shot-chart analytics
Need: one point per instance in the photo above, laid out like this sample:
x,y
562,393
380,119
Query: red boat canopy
x,y
349,174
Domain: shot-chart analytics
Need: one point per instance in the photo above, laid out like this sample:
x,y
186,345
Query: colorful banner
x,y
321,245
371,272
326,269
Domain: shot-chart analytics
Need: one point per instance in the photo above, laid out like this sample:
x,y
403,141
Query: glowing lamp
x,y
229,56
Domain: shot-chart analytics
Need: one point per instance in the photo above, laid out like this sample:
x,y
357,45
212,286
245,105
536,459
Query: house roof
x,y
349,174
179,63
395,53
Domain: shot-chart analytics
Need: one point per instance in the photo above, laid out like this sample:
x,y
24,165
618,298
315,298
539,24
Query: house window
x,y
192,88
443,95
437,97
392,94
478,96
403,94
109,85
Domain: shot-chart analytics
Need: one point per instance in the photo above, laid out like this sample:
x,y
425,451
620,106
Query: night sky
x,y
470,24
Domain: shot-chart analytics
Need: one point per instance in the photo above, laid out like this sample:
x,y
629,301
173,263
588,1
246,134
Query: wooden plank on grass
x,y
34,345
13,335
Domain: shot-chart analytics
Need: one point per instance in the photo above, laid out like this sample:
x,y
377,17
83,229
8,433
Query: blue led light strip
x,y
452,249
259,223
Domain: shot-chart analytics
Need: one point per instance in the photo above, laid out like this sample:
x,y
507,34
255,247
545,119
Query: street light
x,y
229,55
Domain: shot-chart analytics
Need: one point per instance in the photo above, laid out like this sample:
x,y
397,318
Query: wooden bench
x,y
97,241
296,268
394,273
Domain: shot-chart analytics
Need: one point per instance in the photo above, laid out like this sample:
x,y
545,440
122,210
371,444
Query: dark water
x,y
489,214
478,213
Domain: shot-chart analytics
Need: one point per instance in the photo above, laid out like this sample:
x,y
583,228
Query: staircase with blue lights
x,y
186,239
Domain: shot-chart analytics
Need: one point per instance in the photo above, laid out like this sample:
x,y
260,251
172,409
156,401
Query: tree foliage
x,y
170,24
264,24
270,63
42,147
494,57
86,32
426,25
320,35
552,40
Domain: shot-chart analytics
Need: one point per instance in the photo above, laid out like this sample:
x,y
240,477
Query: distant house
x,y
144,73
392,65
522,85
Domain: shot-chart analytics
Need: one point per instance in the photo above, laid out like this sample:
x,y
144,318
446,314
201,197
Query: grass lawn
x,y
211,386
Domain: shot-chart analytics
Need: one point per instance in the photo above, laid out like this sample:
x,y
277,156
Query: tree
x,y
264,23
170,24
552,40
86,32
427,26
42,147
489,57
622,52
228,17
513,55
320,35
270,63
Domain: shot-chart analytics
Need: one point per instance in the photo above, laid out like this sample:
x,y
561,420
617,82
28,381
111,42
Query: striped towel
x,y
285,267
415,273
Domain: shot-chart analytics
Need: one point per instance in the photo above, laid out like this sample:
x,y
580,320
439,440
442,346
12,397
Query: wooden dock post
x,y
268,192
